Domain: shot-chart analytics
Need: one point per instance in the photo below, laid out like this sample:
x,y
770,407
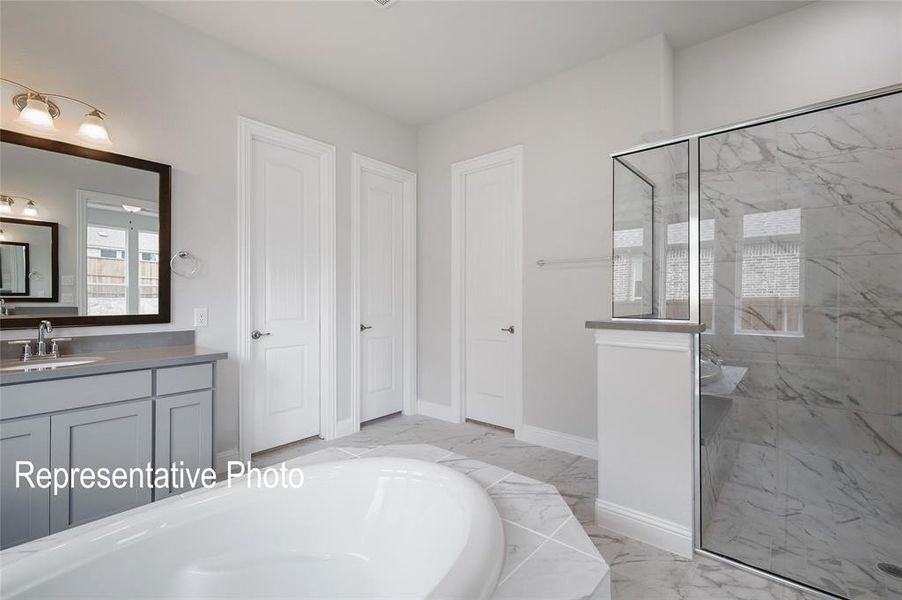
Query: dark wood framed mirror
x,y
29,252
104,259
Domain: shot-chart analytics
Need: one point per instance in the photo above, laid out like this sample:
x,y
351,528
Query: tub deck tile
x,y
548,554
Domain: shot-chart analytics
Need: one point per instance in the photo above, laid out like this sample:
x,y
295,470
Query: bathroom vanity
x,y
126,408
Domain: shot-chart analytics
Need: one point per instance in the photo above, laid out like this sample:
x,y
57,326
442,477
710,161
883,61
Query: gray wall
x,y
821,51
568,125
174,96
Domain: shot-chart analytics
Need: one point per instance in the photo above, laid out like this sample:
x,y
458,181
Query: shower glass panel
x,y
800,227
651,233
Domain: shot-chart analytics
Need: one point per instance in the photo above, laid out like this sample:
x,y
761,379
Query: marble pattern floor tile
x,y
548,554
327,454
637,571
483,473
420,451
531,580
531,503
573,534
520,544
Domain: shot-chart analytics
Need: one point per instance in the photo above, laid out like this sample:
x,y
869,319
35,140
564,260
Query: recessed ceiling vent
x,y
383,3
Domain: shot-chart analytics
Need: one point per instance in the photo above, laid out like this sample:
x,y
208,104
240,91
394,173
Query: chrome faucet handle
x,y
26,347
55,346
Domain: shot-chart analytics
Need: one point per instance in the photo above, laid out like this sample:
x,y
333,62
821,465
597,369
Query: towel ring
x,y
184,264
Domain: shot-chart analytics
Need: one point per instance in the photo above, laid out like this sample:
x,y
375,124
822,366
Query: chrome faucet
x,y
44,329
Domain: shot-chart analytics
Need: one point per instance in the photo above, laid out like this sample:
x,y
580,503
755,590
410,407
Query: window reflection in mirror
x,y
14,262
107,216
122,255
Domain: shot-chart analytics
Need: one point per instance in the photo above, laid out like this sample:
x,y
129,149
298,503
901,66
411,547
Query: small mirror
x,y
14,271
28,260
85,235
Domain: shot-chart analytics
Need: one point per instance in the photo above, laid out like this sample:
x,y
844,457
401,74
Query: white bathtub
x,y
365,528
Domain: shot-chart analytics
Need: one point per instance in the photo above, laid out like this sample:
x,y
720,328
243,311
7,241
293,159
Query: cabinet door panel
x,y
184,432
108,436
24,511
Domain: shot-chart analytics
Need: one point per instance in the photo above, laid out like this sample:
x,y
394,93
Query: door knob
x,y
508,329
364,327
257,334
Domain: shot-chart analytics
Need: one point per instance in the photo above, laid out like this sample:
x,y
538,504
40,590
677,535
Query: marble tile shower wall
x,y
816,487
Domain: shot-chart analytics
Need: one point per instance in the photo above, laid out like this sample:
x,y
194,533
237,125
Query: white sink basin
x,y
57,363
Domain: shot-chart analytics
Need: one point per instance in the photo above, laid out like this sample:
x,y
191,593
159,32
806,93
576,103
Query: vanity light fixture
x,y
131,209
6,204
94,129
2,235
37,110
30,209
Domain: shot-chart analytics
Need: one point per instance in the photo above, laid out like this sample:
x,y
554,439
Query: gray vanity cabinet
x,y
24,515
184,426
145,414
117,435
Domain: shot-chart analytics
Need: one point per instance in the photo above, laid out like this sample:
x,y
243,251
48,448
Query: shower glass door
x,y
651,233
801,363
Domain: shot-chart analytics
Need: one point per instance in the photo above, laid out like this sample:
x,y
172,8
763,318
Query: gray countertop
x,y
120,360
648,325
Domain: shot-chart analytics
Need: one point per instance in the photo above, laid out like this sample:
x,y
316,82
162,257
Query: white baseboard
x,y
644,527
558,441
223,458
436,411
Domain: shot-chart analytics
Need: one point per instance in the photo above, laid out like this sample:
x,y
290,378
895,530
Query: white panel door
x,y
381,295
285,265
491,330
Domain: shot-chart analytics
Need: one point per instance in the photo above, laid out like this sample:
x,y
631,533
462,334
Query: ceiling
x,y
418,61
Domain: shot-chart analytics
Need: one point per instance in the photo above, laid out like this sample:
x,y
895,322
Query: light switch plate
x,y
67,280
200,317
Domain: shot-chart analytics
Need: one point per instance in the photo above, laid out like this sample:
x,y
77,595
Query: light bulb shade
x,y
93,128
36,113
6,204
30,209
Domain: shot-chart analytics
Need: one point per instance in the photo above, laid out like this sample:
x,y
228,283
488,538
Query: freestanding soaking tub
x,y
364,528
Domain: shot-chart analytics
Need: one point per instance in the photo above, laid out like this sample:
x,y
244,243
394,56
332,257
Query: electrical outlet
x,y
67,280
200,317
67,298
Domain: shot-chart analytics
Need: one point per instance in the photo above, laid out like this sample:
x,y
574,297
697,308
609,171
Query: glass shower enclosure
x,y
794,239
